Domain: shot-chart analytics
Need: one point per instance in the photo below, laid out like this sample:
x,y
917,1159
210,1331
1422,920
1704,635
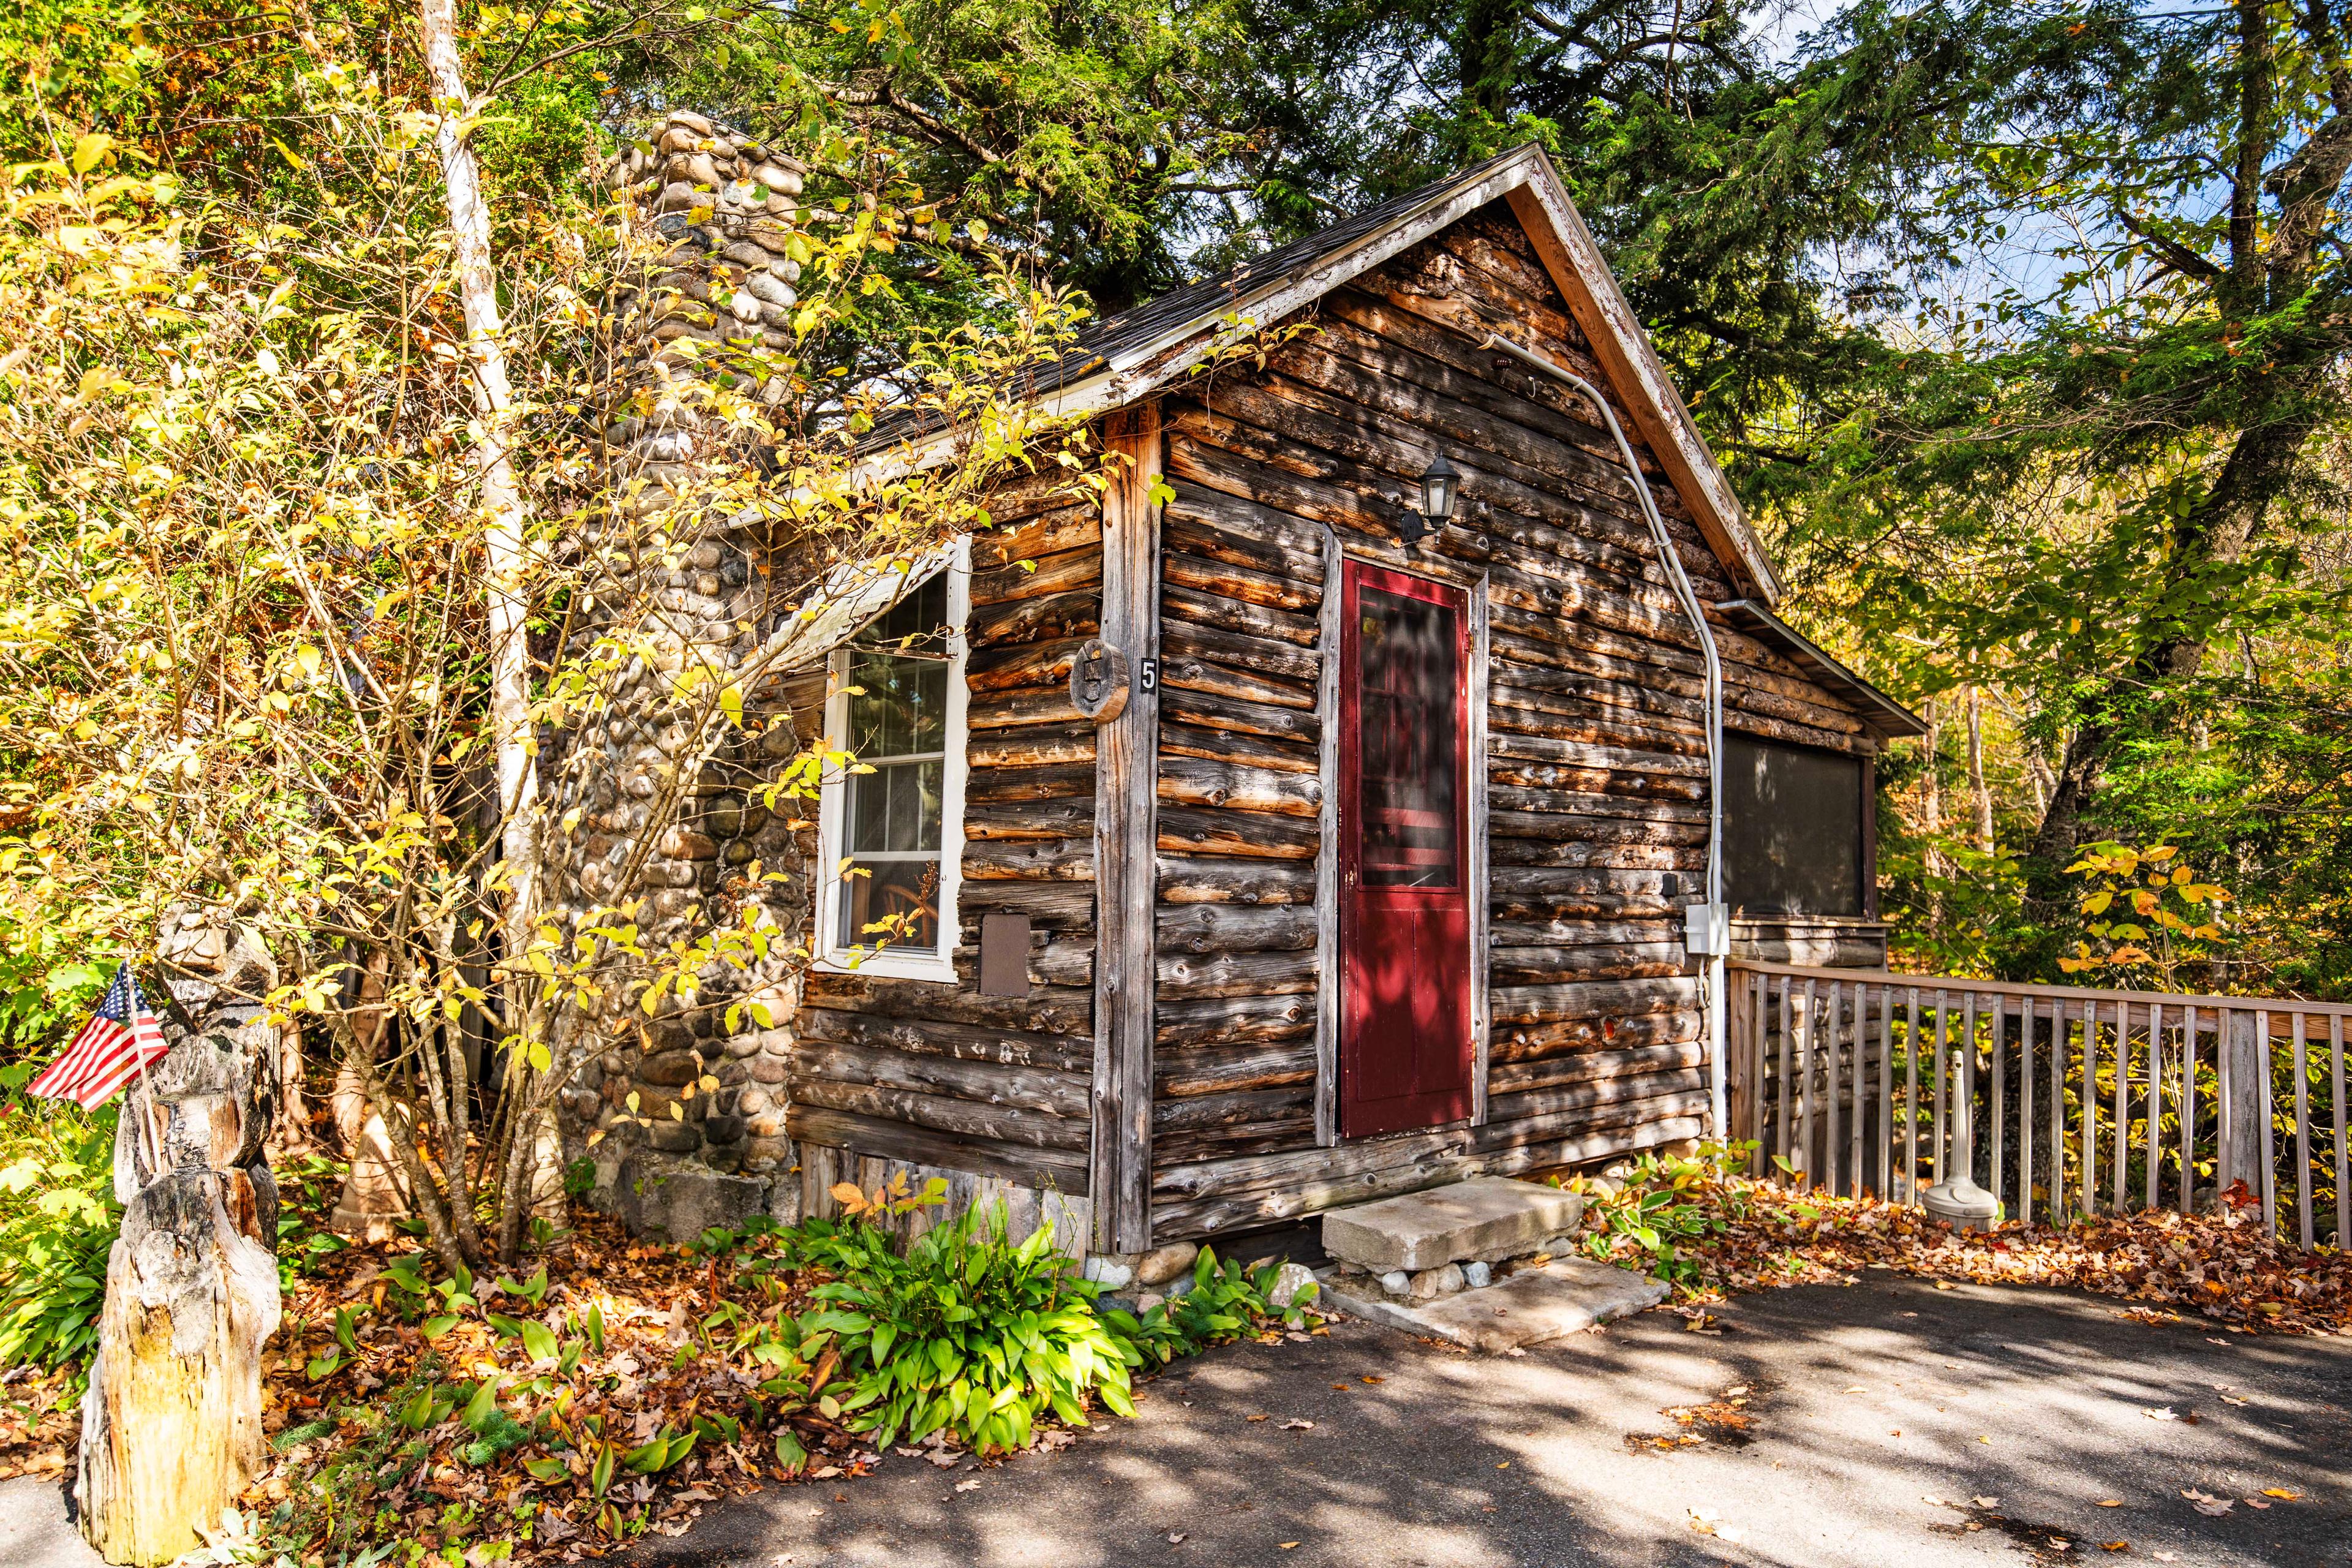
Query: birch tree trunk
x,y
507,560
292,1138
1977,785
503,498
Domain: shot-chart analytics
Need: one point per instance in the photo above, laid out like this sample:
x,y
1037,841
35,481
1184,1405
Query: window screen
x,y
1792,828
1409,676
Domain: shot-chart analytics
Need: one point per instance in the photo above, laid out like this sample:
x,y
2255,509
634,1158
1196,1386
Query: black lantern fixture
x,y
1441,486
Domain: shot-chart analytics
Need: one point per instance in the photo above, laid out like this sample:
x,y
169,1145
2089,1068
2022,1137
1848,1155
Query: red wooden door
x,y
1405,1052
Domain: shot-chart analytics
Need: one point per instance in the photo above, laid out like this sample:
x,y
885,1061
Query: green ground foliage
x,y
538,1403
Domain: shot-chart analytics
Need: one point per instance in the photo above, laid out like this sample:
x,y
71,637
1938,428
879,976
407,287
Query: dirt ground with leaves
x,y
1716,1236
613,1393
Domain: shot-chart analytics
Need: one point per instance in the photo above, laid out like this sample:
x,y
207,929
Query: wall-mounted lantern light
x,y
1441,486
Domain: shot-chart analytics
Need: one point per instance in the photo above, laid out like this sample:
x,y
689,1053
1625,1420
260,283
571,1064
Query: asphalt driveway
x,y
1889,1423
1861,1405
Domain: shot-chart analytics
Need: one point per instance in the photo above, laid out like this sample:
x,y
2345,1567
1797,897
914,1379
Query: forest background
x,y
2020,328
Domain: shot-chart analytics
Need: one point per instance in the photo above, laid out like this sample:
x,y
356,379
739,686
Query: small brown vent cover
x,y
1004,955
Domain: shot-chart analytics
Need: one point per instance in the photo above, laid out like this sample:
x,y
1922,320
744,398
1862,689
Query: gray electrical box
x,y
1707,929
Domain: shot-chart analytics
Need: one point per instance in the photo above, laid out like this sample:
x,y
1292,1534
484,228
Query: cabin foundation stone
x,y
1488,1218
679,1199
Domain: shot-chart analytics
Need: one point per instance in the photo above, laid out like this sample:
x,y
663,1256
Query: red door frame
x,y
1406,1049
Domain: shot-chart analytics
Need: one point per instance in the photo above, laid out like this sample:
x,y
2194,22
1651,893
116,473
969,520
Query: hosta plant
x,y
969,1330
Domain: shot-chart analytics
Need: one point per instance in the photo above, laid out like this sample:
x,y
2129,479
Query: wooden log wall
x,y
890,1072
1595,772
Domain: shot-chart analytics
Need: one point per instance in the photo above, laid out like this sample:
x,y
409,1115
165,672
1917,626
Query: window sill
x,y
888,964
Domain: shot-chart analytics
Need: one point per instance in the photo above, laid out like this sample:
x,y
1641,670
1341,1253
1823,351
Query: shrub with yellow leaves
x,y
2154,919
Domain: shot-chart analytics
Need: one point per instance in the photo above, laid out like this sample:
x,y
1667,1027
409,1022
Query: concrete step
x,y
1485,1219
1565,1296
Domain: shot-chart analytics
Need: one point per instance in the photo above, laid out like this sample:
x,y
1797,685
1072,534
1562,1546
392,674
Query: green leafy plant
x,y
58,1220
1662,1203
1226,1301
2150,913
969,1331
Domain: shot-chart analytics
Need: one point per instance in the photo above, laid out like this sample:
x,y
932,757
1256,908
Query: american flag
x,y
120,1040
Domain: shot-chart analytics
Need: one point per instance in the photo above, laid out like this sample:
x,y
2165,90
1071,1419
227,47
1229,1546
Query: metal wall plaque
x,y
1098,680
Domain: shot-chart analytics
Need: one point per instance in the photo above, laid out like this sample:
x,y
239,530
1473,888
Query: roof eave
x,y
1884,717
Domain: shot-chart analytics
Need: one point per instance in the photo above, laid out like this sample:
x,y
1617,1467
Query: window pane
x,y
903,893
901,707
1408,673
921,617
896,807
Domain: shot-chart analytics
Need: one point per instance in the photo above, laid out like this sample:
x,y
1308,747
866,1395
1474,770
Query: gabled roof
x,y
1127,357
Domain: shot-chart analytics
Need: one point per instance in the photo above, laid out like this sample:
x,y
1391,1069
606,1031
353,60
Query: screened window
x,y
892,824
1796,837
1409,679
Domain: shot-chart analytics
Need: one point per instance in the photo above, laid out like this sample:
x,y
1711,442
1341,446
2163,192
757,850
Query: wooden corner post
x,y
1126,834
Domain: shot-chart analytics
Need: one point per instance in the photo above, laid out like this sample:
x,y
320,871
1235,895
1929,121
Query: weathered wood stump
x,y
172,1427
374,1199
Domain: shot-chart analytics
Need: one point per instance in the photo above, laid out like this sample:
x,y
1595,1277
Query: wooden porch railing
x,y
1873,1082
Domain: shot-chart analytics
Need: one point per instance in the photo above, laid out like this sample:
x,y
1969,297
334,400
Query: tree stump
x,y
172,1427
374,1199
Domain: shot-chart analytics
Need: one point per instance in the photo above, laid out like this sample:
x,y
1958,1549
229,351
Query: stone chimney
x,y
711,213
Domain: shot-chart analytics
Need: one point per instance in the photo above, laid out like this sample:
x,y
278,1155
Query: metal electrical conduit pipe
x,y
1709,945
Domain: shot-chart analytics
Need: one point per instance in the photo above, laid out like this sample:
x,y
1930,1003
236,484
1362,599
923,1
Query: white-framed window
x,y
891,839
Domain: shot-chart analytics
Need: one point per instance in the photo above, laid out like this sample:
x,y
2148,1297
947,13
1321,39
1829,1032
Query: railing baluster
x,y
2057,1111
1787,1080
1861,1091
2025,1012
2123,1082
1999,1018
2335,1096
1830,1072
1943,1084
1911,1101
1805,1083
2090,1098
2189,1110
1886,1098
2153,1138
2302,1141
1755,1080
2225,1100
2262,1104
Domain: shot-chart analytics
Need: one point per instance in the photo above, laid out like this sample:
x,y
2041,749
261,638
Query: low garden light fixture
x,y
1440,487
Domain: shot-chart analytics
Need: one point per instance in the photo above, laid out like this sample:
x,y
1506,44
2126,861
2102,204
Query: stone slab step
x,y
1485,1219
1566,1296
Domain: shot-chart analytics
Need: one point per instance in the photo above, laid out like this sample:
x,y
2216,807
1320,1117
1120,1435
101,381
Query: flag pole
x,y
138,1005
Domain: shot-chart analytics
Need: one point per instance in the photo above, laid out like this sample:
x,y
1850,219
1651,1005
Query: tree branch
x,y
2182,259
886,97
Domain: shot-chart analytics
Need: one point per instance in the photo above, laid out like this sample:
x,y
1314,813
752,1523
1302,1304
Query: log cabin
x,y
1362,795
